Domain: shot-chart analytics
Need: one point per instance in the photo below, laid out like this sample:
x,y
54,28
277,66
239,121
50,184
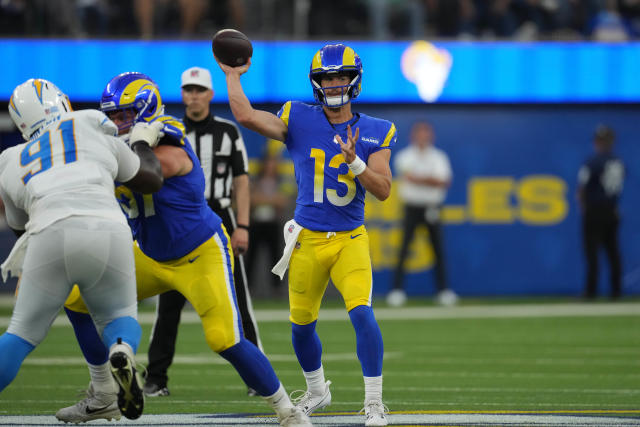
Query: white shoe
x,y
93,407
309,403
374,412
447,298
294,417
130,394
397,298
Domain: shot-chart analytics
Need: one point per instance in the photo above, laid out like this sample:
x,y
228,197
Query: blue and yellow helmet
x,y
336,58
135,91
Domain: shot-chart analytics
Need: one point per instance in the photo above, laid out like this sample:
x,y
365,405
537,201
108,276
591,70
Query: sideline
x,y
577,309
421,418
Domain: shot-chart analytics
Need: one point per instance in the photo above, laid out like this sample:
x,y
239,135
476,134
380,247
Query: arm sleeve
x,y
128,161
16,217
102,122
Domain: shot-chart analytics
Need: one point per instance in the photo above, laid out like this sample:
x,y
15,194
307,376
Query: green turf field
x,y
574,357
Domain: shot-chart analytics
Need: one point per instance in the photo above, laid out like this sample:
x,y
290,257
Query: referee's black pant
x,y
429,216
165,331
600,229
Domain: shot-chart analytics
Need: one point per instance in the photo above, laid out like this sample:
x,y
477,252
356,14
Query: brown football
x,y
231,47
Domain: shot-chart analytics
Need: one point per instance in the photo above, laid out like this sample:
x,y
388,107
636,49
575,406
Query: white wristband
x,y
357,166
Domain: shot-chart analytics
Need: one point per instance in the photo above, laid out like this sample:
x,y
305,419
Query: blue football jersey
x,y
330,197
174,221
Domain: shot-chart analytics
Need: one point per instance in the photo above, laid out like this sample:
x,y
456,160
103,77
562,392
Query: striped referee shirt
x,y
219,145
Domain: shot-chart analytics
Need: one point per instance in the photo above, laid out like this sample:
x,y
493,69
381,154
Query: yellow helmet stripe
x,y
129,93
286,110
37,85
389,136
349,57
317,61
12,105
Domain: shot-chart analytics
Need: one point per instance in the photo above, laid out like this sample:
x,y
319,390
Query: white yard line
x,y
428,312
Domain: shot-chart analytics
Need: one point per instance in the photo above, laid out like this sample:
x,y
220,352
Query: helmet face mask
x,y
331,60
35,104
133,94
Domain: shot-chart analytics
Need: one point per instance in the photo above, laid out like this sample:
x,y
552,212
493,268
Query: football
x,y
232,47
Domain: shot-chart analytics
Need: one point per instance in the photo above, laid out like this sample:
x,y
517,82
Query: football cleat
x,y
294,417
396,298
154,390
309,403
130,394
375,413
447,298
93,407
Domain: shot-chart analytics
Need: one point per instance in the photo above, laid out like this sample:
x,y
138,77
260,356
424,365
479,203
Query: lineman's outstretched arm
x,y
263,122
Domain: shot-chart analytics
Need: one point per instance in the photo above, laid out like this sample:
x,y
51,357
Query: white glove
x,y
147,132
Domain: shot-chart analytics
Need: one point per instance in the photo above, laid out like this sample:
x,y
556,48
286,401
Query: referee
x,y
600,182
219,146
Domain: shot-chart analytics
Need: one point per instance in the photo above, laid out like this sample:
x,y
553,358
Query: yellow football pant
x,y
342,256
204,277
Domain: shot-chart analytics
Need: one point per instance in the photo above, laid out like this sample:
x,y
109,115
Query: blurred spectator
x,y
600,182
303,19
268,204
425,176
608,24
404,18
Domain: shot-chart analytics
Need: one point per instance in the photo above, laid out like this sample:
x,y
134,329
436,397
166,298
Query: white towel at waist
x,y
291,231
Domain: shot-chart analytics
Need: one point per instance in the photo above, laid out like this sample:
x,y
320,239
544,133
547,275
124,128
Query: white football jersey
x,y
67,170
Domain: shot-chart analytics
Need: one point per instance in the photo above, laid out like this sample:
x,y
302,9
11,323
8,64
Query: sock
x,y
13,351
253,366
369,345
101,378
307,346
372,389
279,400
125,327
315,381
91,344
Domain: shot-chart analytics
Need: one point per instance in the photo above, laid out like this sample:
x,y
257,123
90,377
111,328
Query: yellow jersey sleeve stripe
x,y
349,57
389,136
286,110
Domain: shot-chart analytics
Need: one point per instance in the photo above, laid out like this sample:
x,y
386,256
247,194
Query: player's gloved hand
x,y
147,132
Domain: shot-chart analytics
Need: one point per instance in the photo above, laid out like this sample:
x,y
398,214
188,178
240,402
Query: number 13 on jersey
x,y
347,179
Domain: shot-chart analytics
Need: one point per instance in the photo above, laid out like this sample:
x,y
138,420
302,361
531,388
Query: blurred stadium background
x,y
513,88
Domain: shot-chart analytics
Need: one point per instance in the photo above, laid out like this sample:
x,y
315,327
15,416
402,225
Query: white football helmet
x,y
36,103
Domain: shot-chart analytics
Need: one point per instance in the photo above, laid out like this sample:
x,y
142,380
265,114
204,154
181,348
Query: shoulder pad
x,y
173,128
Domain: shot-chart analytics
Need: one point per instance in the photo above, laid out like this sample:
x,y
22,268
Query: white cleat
x,y
375,413
397,298
309,403
447,298
94,407
294,417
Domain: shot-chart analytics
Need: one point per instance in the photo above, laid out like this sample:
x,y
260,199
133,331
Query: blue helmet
x,y
132,91
336,58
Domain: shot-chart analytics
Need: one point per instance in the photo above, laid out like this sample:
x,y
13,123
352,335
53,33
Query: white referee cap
x,y
197,76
